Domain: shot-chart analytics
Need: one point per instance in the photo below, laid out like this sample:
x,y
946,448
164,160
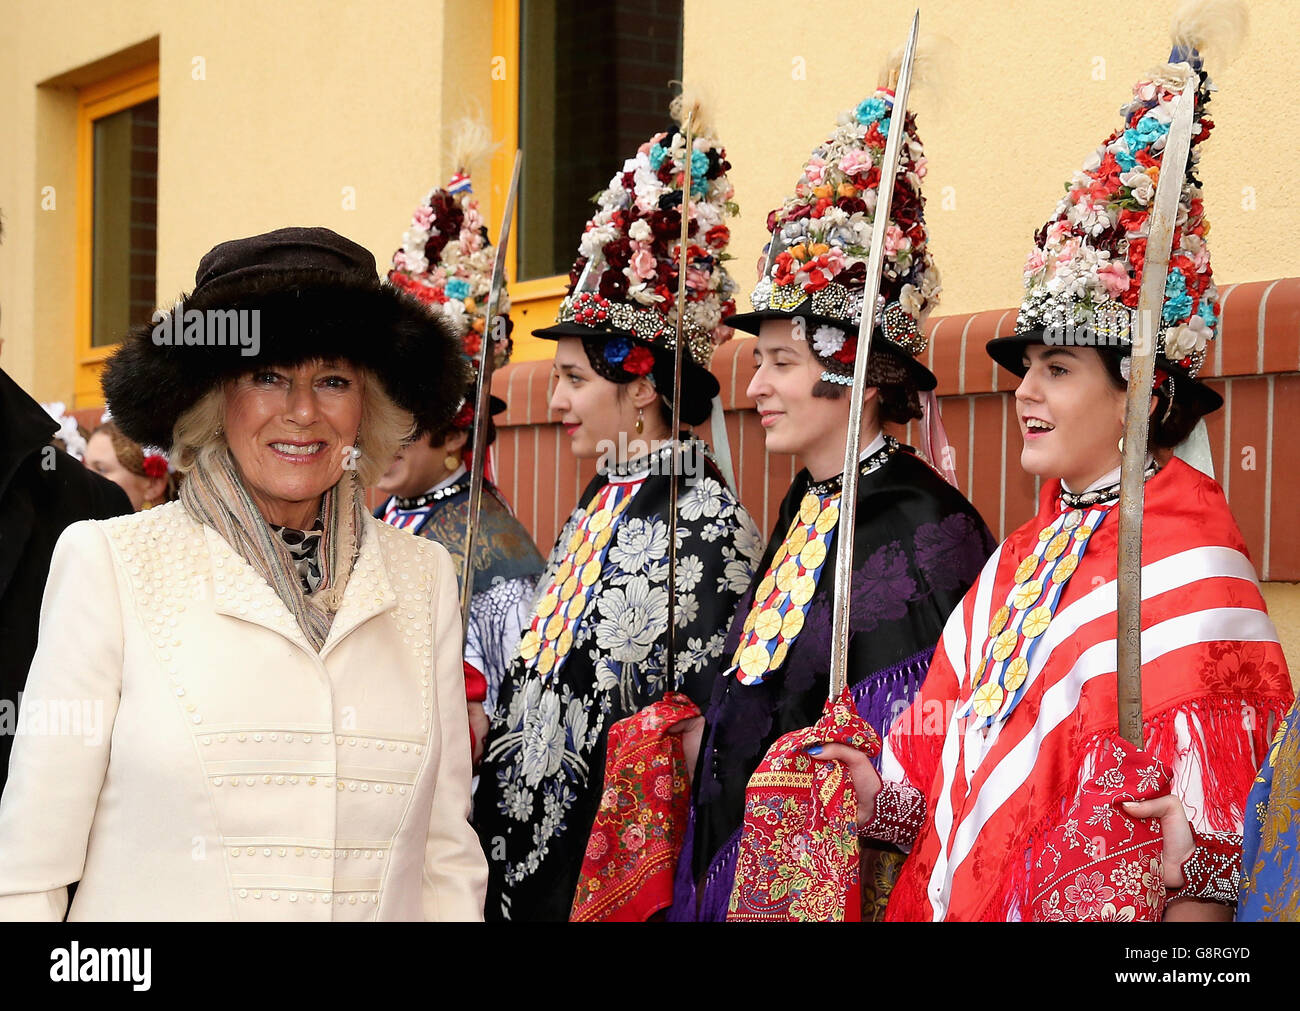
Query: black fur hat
x,y
318,295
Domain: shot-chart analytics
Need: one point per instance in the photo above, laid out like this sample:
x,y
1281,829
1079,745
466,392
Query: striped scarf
x,y
215,495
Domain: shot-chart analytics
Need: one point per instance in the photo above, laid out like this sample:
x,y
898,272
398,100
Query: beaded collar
x,y
1099,496
872,463
430,497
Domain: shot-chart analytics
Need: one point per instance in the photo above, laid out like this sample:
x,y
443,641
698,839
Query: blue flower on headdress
x,y
1206,312
616,349
884,126
458,287
699,167
1122,152
657,156
1147,132
1178,304
869,110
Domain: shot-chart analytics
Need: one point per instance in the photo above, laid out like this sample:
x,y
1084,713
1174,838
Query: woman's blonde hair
x,y
199,433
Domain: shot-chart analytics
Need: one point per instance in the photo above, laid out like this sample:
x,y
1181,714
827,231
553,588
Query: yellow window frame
x,y
534,303
95,101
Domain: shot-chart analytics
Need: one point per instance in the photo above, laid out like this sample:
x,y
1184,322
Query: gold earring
x,y
451,461
1121,445
640,420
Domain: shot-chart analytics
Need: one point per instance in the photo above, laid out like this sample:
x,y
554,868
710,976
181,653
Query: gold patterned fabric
x,y
1017,626
782,598
549,637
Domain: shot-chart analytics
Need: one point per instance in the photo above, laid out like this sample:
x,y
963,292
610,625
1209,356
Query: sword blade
x,y
483,395
670,640
1151,297
852,445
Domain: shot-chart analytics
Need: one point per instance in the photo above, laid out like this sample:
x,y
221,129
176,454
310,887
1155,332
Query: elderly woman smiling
x,y
268,690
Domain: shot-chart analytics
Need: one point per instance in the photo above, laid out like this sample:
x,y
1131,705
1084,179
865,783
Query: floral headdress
x,y
821,241
69,433
1083,277
446,262
624,281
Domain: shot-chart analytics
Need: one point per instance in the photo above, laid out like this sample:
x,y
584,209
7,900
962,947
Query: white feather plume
x,y
933,53
471,140
1214,27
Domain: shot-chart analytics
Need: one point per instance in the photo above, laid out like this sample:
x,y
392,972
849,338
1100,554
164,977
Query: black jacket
x,y
41,492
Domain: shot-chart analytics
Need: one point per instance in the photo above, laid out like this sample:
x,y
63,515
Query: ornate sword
x,y
1151,298
482,397
852,445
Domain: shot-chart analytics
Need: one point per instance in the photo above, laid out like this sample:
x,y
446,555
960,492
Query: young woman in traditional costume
x,y
446,262
918,544
1006,778
593,652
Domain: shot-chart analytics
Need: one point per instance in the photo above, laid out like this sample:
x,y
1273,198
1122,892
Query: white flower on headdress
x,y
1182,341
455,317
640,231
1140,185
930,286
414,239
1093,218
792,233
827,340
911,301
643,295
68,432
594,239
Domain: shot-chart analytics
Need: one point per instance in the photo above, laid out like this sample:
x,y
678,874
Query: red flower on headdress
x,y
718,236
464,417
848,350
639,361
154,465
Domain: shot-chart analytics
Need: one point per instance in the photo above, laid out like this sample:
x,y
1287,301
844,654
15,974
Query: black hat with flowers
x,y
816,265
1084,274
622,296
318,296
446,260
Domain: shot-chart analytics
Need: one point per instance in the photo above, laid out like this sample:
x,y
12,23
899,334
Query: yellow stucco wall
x,y
1012,114
300,99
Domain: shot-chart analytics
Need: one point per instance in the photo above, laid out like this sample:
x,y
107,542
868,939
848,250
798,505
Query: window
x,y
117,214
593,84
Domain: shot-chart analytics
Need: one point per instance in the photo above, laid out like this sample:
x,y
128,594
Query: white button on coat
x,y
131,807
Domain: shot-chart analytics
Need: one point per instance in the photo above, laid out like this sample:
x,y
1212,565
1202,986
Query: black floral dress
x,y
603,599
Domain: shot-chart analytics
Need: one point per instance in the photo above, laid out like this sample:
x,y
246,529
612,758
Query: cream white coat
x,y
186,755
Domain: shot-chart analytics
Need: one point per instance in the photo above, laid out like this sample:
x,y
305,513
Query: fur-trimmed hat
x,y
281,298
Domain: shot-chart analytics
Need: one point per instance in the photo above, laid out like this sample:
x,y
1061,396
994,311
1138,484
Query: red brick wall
x,y
1255,365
